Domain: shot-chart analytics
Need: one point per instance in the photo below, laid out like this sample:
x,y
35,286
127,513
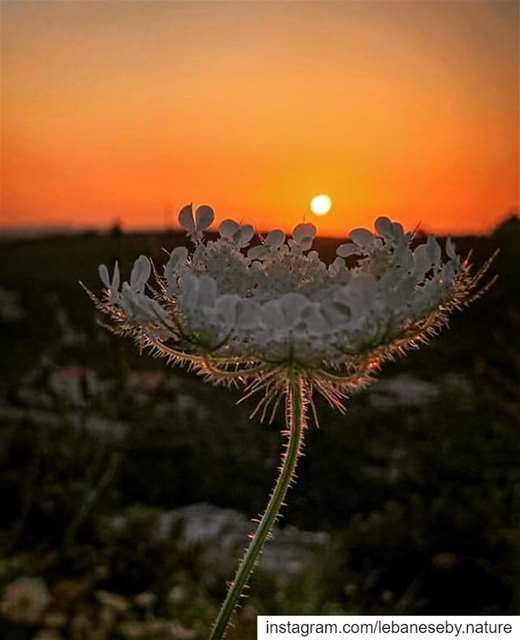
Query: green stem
x,y
295,411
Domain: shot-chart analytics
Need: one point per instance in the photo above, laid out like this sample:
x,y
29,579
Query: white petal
x,y
336,266
448,273
204,217
305,243
177,257
346,250
174,267
362,237
244,236
398,230
421,260
275,238
159,310
384,227
103,274
450,249
127,299
434,251
186,218
116,278
304,233
427,256
150,309
140,273
228,228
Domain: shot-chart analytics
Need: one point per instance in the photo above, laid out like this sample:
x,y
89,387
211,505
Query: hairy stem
x,y
295,412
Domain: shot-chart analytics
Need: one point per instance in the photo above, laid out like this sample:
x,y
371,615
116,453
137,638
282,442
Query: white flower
x,y
278,319
195,227
25,599
233,310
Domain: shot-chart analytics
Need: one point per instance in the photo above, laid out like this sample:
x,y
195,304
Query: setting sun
x,y
321,204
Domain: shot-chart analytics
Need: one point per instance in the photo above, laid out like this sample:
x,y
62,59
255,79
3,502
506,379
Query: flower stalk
x,y
296,423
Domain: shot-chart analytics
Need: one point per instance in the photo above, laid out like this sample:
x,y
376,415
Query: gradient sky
x,y
120,109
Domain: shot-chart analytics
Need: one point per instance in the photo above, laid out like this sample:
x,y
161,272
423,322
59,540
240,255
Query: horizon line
x,y
28,231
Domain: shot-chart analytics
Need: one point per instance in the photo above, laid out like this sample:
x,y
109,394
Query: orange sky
x,y
120,109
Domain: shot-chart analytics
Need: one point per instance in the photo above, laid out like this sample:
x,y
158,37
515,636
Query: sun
x,y
321,204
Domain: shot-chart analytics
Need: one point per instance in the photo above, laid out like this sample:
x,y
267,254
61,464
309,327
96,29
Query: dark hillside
x,y
418,483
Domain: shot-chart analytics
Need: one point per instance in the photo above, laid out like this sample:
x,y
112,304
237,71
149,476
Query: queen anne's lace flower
x,y
249,313
276,318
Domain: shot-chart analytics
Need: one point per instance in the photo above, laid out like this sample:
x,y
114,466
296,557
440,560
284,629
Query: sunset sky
x,y
122,109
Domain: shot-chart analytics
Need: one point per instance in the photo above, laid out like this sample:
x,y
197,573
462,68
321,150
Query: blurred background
x,y
127,488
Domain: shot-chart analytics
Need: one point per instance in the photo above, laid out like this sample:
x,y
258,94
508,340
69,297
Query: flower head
x,y
253,314
25,600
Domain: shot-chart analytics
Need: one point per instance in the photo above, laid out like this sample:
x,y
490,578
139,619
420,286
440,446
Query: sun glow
x,y
395,127
321,204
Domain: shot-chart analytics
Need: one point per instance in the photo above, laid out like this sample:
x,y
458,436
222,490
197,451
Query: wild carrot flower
x,y
25,600
277,320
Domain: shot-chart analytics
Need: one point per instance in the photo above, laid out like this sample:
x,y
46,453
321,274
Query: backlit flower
x,y
279,320
250,314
